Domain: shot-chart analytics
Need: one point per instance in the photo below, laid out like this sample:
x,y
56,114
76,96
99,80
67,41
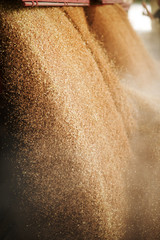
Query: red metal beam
x,y
29,3
38,3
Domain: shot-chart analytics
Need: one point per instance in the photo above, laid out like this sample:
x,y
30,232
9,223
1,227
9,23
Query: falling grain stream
x,y
80,106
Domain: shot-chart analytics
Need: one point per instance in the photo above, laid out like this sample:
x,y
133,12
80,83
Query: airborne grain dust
x,y
87,133
140,77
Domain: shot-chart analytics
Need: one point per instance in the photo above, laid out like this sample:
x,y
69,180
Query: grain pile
x,y
74,125
72,143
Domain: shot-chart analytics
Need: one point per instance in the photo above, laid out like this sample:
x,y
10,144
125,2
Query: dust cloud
x,y
140,76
